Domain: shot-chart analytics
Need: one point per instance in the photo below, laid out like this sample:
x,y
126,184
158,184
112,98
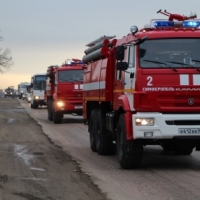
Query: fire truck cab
x,y
64,90
144,89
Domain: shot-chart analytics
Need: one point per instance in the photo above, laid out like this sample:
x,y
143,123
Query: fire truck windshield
x,y
39,82
170,53
70,76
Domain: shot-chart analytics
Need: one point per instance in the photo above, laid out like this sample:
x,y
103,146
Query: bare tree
x,y
5,59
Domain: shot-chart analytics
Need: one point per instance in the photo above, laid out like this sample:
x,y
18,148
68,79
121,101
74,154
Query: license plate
x,y
188,131
78,107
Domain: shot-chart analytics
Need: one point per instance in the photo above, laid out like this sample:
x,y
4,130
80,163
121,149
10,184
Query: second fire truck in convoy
x,y
144,89
64,90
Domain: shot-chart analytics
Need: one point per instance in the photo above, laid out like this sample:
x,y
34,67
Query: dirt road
x,y
33,168
163,175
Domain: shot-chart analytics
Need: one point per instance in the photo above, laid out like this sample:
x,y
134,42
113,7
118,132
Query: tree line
x,y
5,58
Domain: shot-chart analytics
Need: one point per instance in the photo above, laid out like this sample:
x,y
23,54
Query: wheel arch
x,y
128,122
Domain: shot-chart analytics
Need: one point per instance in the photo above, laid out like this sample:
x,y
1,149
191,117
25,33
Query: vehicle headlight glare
x,y
36,97
144,121
60,104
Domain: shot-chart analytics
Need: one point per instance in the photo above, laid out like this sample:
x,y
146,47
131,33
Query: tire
x,y
57,117
183,148
34,105
104,145
49,111
92,130
130,153
168,147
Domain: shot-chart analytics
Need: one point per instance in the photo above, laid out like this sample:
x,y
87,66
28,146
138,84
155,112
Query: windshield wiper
x,y
157,62
180,63
196,61
75,80
66,80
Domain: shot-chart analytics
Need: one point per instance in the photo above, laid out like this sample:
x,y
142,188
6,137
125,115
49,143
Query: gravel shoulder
x,y
32,167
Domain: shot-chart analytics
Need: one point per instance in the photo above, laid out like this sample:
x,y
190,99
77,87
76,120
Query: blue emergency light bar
x,y
74,63
163,24
70,63
191,24
175,24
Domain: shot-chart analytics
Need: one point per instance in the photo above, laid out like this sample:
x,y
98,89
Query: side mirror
x,y
142,53
120,52
52,81
122,66
51,76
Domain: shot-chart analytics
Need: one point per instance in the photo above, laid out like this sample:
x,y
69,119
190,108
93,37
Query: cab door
x,y
124,83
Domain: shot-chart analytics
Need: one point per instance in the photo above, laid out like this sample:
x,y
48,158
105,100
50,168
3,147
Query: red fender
x,y
124,103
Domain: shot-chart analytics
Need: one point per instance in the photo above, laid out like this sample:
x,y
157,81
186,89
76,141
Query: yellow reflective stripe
x,y
124,90
94,98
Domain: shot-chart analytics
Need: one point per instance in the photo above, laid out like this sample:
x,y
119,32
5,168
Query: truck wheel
x,y
92,130
130,153
49,110
35,106
57,117
183,148
104,145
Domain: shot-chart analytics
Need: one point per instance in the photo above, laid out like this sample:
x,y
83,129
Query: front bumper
x,y
69,107
167,126
39,102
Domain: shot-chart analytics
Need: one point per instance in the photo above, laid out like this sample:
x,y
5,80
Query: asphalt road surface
x,y
163,176
32,167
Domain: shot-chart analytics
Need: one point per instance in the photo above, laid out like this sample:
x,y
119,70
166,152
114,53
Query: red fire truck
x,y
144,89
64,90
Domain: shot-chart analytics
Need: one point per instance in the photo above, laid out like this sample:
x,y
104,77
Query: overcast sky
x,y
41,33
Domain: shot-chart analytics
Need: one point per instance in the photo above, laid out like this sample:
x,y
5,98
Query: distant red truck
x,y
63,93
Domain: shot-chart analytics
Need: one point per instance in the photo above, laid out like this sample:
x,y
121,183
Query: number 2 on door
x,y
149,79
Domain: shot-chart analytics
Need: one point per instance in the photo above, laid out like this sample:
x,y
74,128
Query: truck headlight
x,y
60,104
36,97
144,121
